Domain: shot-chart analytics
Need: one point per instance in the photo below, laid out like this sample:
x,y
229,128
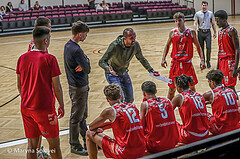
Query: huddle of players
x,y
156,128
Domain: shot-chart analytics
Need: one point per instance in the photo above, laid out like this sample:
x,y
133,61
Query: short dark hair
x,y
40,33
204,2
42,21
149,87
112,91
125,31
183,81
178,15
79,27
221,14
215,76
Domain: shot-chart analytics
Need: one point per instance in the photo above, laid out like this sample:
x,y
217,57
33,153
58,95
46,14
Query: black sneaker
x,y
208,65
79,150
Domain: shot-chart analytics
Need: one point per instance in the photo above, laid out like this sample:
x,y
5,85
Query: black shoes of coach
x,y
208,65
79,150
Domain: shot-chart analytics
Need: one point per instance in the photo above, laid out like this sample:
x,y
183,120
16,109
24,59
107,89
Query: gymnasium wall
x,y
218,4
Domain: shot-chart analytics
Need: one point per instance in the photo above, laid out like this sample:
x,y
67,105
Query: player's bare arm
x,y
59,95
19,83
143,111
166,49
177,101
214,29
199,49
107,114
233,33
195,25
208,97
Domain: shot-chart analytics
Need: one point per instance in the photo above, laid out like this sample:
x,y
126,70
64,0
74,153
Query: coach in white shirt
x,y
204,19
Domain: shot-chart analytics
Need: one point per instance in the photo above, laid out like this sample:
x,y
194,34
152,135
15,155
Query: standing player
x,y
77,67
40,21
125,122
192,110
228,53
158,119
182,39
224,104
204,19
38,80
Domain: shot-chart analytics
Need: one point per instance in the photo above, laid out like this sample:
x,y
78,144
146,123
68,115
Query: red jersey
x,y
225,108
31,45
36,70
128,130
193,112
225,44
182,49
160,120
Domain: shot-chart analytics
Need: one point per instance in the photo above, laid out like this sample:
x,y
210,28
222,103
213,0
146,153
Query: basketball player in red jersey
x,y
192,110
182,39
158,119
228,53
224,104
40,21
125,122
38,81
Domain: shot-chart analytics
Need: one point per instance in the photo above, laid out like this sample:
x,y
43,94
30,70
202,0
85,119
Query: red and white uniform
x,y
128,133
225,111
36,70
193,113
182,54
160,120
226,55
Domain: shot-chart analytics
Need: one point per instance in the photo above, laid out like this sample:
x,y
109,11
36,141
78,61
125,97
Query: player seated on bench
x,y
127,128
225,115
158,119
192,110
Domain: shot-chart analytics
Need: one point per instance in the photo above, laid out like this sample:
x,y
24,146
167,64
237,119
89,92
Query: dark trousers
x,y
207,37
79,112
125,83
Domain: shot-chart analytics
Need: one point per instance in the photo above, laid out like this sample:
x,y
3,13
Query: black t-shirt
x,y
73,57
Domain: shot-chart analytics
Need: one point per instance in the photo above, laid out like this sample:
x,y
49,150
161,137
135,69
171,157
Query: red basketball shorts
x,y
38,123
227,66
112,149
186,137
182,68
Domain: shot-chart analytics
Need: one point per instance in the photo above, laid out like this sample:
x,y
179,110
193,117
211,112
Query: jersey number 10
x,y
229,98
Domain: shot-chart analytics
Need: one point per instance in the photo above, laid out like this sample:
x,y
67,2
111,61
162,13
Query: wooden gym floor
x,y
152,38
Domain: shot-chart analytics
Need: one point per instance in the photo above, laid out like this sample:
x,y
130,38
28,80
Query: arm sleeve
x,y
103,62
55,70
195,17
18,63
142,59
82,60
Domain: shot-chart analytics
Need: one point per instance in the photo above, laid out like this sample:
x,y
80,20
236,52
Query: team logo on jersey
x,y
187,35
181,46
224,33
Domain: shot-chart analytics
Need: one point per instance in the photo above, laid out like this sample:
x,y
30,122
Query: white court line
x,y
23,141
17,42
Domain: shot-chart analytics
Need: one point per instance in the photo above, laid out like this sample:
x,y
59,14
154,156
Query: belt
x,y
204,30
